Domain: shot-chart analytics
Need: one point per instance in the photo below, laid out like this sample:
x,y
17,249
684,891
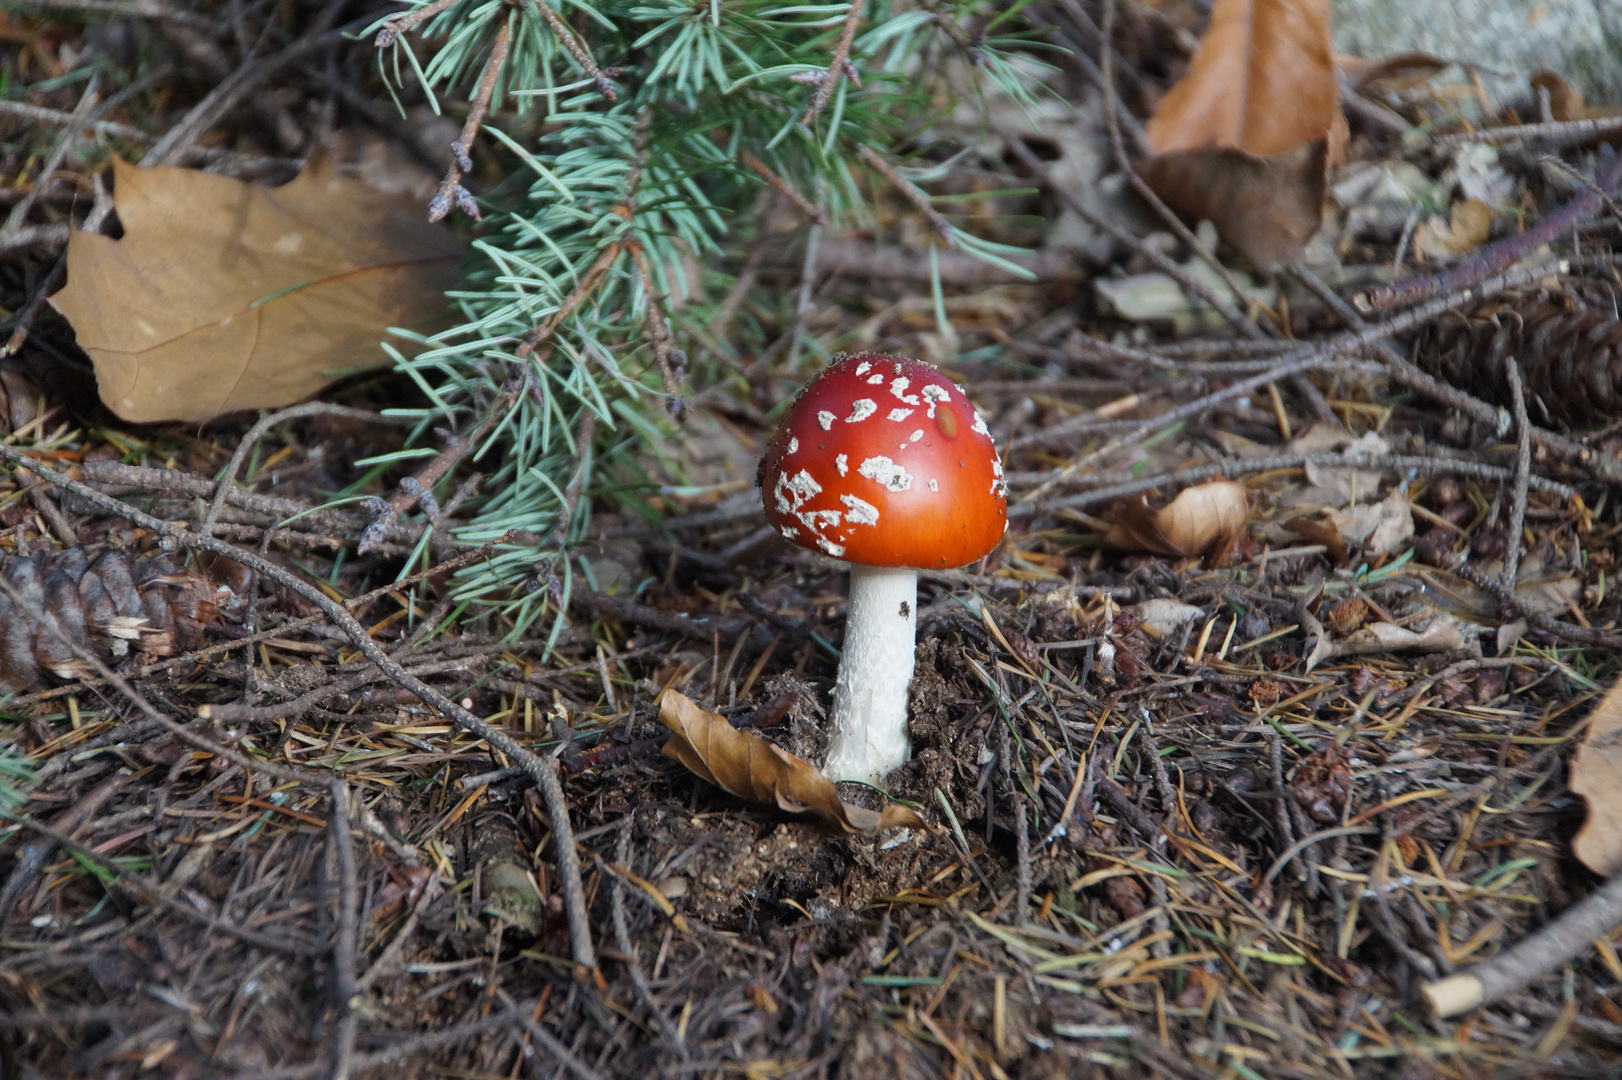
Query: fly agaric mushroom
x,y
882,462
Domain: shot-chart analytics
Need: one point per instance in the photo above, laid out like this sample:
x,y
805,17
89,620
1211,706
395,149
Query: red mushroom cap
x,y
882,461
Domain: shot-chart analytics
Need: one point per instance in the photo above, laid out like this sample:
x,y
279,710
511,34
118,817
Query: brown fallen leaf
x,y
743,763
1205,519
223,295
1245,139
1262,81
1596,775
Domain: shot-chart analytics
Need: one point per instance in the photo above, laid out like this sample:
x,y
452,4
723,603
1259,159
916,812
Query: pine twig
x,y
876,162
588,284
1530,958
451,192
669,360
419,488
395,26
783,188
578,51
841,66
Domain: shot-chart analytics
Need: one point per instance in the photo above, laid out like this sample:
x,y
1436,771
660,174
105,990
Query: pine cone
x,y
103,604
1570,354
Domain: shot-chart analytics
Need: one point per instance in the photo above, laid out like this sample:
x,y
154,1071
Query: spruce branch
x,y
451,192
396,26
588,285
578,51
840,68
616,184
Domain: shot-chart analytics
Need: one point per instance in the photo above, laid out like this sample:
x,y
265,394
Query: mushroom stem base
x,y
870,697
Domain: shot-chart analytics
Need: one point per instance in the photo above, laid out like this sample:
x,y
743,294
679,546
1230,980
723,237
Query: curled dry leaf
x,y
1596,775
1380,528
1164,616
1468,225
223,295
1441,635
1319,531
751,768
1203,520
1244,140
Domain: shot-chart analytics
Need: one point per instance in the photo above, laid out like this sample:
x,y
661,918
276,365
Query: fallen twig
x,y
1495,258
1532,957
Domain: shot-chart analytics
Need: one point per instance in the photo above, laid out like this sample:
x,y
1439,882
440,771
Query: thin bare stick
x,y
40,115
81,113
541,770
1523,468
178,140
1562,131
1231,467
1507,600
1532,957
876,162
355,604
227,482
840,67
622,937
783,188
577,50
346,936
396,25
451,193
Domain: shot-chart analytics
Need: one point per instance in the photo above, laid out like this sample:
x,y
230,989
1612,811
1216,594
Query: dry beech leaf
x,y
223,295
1596,775
1245,139
1203,520
753,769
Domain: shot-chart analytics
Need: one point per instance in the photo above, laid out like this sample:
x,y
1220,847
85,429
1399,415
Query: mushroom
x,y
882,462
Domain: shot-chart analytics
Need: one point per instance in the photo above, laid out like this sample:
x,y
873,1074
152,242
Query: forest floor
x,y
1204,807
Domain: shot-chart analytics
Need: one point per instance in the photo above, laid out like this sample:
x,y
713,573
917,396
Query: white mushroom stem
x,y
870,698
